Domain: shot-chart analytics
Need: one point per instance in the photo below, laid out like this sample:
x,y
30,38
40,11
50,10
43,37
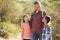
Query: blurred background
x,y
11,12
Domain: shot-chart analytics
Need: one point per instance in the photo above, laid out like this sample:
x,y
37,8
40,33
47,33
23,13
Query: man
x,y
36,20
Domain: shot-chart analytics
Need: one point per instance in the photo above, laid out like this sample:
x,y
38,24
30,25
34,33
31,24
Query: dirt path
x,y
18,37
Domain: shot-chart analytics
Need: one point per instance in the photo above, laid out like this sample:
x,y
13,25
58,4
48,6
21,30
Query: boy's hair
x,y
47,18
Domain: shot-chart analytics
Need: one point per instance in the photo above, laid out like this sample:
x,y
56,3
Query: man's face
x,y
37,6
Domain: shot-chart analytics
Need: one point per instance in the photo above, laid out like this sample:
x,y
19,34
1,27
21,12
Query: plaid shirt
x,y
36,22
47,33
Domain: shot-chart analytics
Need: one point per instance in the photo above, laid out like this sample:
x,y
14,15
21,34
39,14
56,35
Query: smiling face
x,y
26,18
44,20
37,6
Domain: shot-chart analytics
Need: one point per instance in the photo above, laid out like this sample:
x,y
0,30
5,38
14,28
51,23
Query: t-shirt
x,y
26,31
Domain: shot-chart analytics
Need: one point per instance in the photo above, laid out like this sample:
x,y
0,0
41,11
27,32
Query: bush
x,y
8,29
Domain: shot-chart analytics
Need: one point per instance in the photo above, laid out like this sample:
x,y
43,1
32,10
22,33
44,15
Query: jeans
x,y
36,36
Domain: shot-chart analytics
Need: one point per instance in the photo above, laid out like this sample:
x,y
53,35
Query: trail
x,y
18,37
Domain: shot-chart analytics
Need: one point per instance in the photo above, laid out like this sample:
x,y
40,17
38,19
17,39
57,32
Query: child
x,y
47,31
25,28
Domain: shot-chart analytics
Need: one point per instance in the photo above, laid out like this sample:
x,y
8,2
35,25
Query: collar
x,y
37,11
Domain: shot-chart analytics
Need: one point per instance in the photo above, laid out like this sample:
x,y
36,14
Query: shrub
x,y
8,29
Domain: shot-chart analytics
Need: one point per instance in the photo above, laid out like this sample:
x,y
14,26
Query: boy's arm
x,y
50,30
50,33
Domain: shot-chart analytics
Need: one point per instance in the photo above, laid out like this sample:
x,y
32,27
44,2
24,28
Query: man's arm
x,y
45,13
30,22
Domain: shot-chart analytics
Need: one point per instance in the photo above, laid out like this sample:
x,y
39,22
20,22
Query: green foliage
x,y
12,10
8,29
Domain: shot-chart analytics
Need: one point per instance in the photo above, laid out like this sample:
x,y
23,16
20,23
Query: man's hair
x,y
37,2
47,18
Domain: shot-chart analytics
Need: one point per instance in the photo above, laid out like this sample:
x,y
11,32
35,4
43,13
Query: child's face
x,y
26,18
44,20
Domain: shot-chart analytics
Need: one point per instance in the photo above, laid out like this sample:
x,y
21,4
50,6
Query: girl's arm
x,y
22,31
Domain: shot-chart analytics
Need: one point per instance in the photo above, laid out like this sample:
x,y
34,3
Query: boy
x,y
47,32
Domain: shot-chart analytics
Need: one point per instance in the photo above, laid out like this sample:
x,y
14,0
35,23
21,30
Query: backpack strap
x,y
43,13
32,13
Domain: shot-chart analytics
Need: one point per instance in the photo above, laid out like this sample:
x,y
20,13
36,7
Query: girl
x,y
25,28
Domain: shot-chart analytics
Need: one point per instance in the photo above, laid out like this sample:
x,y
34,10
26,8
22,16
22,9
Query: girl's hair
x,y
24,16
